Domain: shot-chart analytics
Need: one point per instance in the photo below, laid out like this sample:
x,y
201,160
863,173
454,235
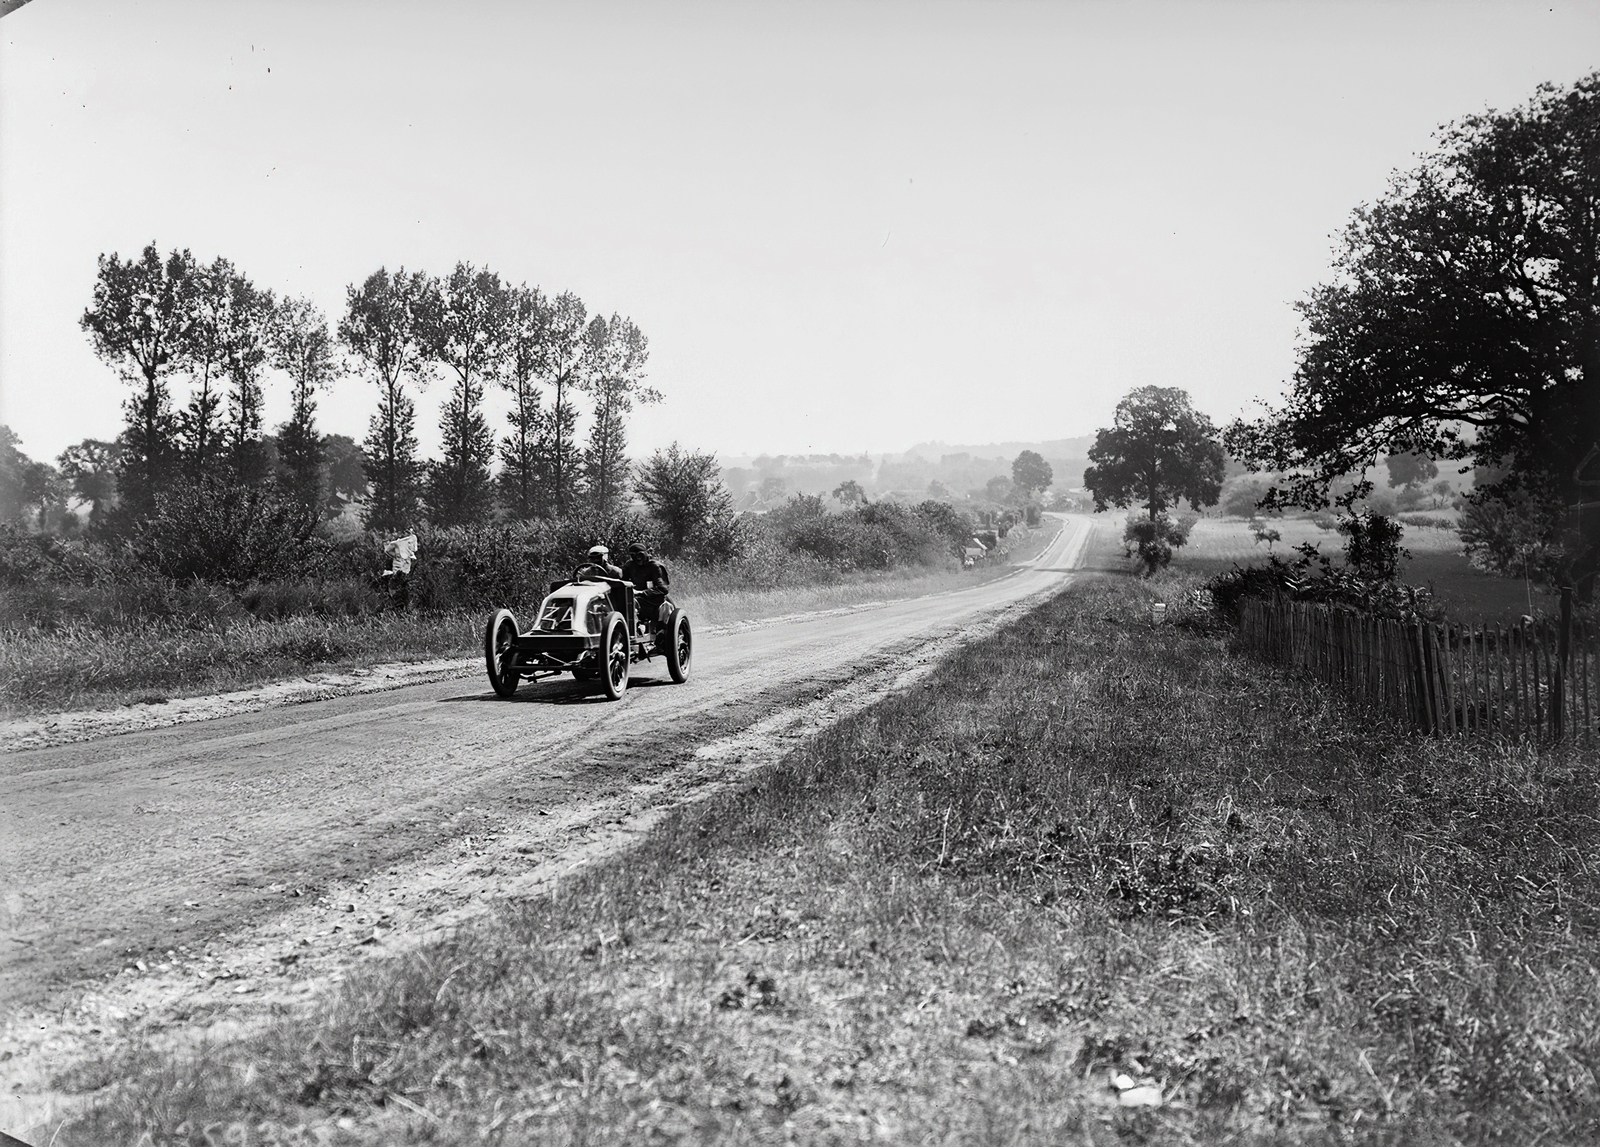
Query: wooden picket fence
x,y
1529,681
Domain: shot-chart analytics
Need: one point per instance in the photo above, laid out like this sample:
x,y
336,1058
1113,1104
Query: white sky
x,y
843,227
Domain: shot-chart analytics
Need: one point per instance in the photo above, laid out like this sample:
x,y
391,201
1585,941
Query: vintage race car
x,y
594,627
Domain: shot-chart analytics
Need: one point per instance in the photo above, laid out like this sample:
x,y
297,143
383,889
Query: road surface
x,y
348,822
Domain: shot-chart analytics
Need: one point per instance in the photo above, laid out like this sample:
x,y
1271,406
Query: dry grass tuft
x,y
1090,847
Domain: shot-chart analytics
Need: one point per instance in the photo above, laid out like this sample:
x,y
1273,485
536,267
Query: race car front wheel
x,y
614,673
680,645
500,652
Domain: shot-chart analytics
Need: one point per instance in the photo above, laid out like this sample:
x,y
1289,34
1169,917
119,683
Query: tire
x,y
499,651
614,671
680,646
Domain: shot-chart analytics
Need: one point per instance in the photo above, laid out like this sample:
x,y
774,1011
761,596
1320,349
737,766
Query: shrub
x,y
874,536
1516,534
686,496
225,532
1372,545
1152,540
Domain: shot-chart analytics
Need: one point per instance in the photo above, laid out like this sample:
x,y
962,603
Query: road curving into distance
x,y
236,857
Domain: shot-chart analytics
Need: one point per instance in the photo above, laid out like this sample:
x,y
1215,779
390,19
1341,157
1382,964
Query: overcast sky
x,y
843,227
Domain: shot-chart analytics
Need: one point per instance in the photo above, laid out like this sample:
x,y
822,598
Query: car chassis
x,y
594,627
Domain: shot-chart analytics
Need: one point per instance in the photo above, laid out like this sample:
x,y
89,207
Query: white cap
x,y
601,550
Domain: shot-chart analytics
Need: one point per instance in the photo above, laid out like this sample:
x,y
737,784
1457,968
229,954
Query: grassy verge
x,y
1088,848
85,666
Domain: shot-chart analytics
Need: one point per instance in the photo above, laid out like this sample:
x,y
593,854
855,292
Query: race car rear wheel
x,y
680,645
614,673
500,652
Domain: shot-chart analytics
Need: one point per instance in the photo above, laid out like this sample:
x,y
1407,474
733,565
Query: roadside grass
x,y
1084,848
85,666
90,666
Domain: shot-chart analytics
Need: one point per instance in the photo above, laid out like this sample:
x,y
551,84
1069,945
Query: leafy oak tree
x,y
1462,322
1157,452
90,471
1031,473
380,326
137,321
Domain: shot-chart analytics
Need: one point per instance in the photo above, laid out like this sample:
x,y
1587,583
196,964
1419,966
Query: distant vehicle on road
x,y
594,627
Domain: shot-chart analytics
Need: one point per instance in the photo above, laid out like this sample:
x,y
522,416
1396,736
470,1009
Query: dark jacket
x,y
641,569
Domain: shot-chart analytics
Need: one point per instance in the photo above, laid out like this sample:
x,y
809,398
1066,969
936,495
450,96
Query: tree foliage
x,y
1410,470
462,325
1462,321
685,494
560,364
1157,451
1152,538
303,349
524,452
615,352
90,471
1031,473
136,321
381,327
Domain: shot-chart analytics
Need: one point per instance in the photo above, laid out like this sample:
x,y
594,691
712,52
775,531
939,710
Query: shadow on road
x,y
554,693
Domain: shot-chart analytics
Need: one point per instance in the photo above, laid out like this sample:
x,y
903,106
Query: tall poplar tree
x,y
136,322
302,349
380,328
203,358
524,478
463,327
246,348
615,352
561,364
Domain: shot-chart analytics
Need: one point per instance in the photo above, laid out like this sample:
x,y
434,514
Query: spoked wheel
x,y
500,652
614,673
680,645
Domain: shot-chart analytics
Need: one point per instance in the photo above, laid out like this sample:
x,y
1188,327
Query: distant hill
x,y
1068,458
960,469
1054,447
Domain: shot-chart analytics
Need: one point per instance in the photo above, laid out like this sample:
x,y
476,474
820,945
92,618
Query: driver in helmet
x,y
600,561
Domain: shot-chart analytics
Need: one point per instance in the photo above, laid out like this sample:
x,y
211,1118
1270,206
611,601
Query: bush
x,y
1372,546
225,532
875,536
694,511
1152,540
1516,534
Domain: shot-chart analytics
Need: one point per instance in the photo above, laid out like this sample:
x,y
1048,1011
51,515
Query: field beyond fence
x,y
1535,681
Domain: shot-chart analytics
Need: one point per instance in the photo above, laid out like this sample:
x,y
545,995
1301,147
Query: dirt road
x,y
182,855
